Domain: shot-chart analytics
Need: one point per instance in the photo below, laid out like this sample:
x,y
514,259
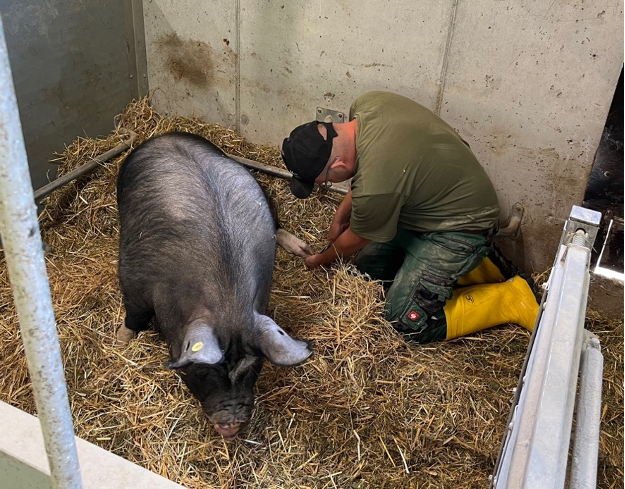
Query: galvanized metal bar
x,y
31,291
551,428
341,188
85,169
584,461
545,402
536,445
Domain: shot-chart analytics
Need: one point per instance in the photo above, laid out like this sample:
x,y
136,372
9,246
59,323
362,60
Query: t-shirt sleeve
x,y
375,217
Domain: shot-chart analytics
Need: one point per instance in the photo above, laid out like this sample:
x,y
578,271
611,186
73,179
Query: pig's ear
x,y
200,345
277,346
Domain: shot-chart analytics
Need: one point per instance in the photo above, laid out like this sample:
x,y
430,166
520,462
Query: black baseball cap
x,y
305,154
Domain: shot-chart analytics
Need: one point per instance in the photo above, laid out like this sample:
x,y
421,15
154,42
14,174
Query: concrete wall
x,y
527,83
74,69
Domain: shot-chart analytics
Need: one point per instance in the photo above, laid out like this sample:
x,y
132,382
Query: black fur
x,y
197,241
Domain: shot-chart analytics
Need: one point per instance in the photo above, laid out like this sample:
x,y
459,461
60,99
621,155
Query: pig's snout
x,y
230,414
228,431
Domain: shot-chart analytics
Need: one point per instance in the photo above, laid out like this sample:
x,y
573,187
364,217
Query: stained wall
x,y
527,83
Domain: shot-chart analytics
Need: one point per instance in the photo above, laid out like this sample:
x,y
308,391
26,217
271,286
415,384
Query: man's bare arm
x,y
345,246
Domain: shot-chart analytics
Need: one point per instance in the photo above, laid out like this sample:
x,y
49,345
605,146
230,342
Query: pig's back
x,y
192,217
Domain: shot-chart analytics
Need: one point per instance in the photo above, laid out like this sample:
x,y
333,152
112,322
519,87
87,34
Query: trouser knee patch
x,y
428,299
432,292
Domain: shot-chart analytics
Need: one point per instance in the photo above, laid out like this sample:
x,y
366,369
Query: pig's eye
x,y
188,345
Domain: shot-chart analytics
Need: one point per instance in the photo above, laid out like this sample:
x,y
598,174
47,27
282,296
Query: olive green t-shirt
x,y
414,172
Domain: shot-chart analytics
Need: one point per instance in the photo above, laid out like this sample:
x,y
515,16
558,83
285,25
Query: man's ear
x,y
323,131
339,163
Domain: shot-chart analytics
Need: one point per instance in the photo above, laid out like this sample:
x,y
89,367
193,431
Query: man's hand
x,y
314,261
292,244
345,246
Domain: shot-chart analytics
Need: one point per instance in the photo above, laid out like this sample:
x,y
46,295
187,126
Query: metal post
x,y
588,420
84,169
25,262
536,444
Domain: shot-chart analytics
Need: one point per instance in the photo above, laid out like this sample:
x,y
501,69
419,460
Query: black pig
x,y
197,249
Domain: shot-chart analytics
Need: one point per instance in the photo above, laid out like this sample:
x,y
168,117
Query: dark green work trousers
x,y
420,271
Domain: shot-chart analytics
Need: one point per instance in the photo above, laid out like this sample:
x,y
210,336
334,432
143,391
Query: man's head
x,y
306,153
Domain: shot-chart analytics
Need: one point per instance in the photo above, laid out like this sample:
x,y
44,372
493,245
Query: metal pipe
x,y
277,172
536,445
541,434
120,148
588,420
514,223
31,291
86,168
503,464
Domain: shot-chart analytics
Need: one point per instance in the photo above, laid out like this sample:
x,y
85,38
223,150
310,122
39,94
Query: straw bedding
x,y
366,411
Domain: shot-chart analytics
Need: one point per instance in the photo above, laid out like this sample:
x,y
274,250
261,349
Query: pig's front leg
x,y
293,244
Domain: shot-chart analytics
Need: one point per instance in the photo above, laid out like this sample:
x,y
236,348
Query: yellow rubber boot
x,y
485,273
475,308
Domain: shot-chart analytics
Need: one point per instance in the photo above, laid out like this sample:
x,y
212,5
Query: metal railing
x,y
23,251
535,448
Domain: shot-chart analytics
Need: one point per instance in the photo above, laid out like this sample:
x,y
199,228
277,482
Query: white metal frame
x,y
536,444
23,251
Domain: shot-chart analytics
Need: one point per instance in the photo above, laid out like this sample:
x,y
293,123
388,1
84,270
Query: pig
x,y
196,254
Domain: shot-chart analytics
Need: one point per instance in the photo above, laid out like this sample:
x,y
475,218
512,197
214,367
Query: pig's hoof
x,y
293,244
124,335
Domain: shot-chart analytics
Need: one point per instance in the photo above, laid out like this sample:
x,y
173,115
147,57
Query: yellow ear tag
x,y
197,347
